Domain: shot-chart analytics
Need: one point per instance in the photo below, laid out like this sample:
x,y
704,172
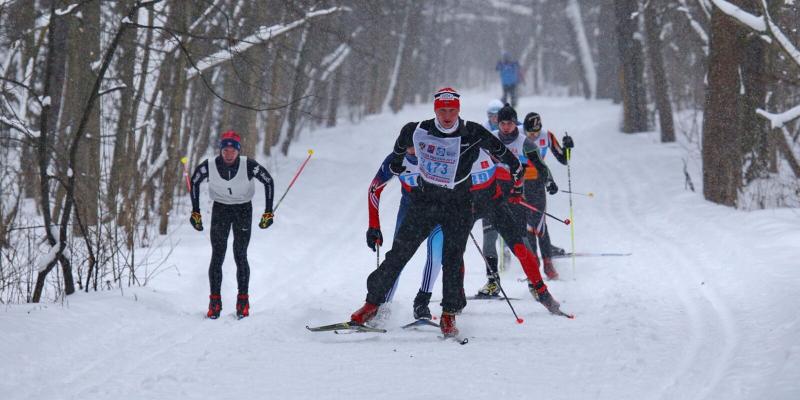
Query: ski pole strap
x,y
297,174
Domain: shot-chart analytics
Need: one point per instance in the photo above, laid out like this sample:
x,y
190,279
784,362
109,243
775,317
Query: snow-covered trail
x,y
705,308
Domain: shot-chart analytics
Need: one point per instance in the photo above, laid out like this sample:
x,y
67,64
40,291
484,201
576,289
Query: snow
x,y
779,120
67,10
755,22
705,308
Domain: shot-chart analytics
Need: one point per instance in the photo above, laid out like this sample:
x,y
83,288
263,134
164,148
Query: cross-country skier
x,y
510,76
231,187
446,148
491,115
408,180
535,190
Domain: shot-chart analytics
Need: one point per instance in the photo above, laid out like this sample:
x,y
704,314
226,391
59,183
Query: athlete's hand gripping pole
x,y
523,203
310,152
497,280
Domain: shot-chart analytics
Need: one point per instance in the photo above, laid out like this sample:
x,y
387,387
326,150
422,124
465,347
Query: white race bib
x,y
438,157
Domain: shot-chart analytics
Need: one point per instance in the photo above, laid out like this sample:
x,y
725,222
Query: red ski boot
x,y
214,306
448,324
364,314
242,306
549,269
542,295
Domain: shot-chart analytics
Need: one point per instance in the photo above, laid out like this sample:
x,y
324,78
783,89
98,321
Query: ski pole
x,y
534,209
571,216
310,152
590,194
185,162
497,279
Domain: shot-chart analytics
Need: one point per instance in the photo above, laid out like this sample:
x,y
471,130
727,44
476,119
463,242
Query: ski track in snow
x,y
704,308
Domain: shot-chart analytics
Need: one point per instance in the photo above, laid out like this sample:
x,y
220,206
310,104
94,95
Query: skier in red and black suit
x,y
230,185
535,190
446,148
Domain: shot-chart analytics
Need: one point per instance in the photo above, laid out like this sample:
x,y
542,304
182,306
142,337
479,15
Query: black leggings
x,y
223,217
452,209
507,220
537,224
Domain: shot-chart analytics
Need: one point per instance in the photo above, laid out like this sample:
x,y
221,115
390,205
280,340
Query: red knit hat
x,y
446,98
230,138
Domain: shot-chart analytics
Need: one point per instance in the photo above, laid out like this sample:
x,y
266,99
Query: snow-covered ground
x,y
705,308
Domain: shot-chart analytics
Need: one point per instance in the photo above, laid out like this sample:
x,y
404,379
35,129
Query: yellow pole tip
x,y
184,160
310,151
591,194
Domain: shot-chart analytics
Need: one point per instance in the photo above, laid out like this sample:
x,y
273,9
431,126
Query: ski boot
x,y
549,269
490,289
448,324
242,305
557,251
421,310
540,293
214,306
364,314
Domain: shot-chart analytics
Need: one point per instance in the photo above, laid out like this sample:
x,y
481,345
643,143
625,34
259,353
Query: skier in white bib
x,y
230,185
446,148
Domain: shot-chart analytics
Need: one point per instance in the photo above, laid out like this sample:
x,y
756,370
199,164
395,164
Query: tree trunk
x,y
722,161
580,42
298,88
660,85
634,98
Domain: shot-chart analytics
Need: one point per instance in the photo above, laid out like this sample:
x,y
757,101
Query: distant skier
x,y
491,115
535,190
446,148
510,76
408,180
231,187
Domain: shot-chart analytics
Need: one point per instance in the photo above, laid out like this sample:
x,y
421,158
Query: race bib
x,y
438,157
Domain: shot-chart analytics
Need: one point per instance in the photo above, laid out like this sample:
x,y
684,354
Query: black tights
x,y
223,217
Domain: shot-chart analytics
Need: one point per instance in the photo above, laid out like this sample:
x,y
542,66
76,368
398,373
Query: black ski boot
x,y
421,310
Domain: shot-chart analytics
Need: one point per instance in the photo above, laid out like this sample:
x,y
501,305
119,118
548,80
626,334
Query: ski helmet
x,y
494,107
533,122
507,113
230,138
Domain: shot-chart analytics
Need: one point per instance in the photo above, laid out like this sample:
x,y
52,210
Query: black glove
x,y
515,196
551,187
374,237
396,166
197,220
567,142
266,220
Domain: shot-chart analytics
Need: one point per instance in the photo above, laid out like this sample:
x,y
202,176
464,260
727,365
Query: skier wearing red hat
x,y
231,187
446,148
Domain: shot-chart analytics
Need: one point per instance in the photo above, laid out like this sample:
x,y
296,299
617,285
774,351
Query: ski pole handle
x,y
565,221
185,161
297,174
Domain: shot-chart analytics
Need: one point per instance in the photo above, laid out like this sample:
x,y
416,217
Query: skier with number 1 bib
x,y
231,187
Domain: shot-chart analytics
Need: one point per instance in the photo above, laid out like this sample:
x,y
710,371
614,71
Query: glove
x,y
396,166
551,187
374,237
197,220
515,194
266,220
567,142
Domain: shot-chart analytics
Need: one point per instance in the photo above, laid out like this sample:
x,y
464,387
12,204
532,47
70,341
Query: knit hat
x,y
446,98
230,138
507,113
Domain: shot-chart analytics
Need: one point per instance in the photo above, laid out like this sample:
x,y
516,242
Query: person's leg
x,y
433,265
457,220
417,224
221,222
242,224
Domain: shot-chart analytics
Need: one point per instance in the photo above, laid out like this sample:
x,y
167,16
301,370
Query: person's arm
x,y
556,148
532,152
200,174
257,171
382,177
403,142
